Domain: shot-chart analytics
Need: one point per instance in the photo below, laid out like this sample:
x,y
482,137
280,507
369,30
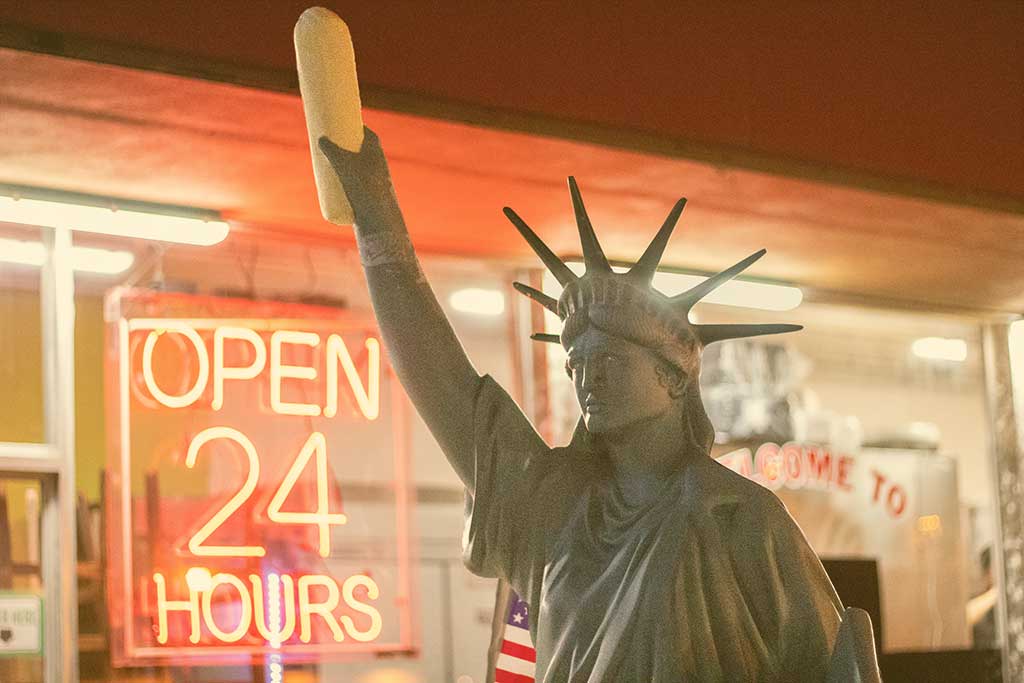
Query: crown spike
x,y
709,334
540,297
644,269
691,296
593,256
553,263
549,338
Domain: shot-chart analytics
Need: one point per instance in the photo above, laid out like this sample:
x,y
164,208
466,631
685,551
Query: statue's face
x,y
616,381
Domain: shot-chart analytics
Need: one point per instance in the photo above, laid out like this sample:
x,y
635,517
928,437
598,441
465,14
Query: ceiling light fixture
x,y
490,302
938,348
121,222
85,259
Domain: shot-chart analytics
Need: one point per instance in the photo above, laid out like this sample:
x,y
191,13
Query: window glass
x,y
21,345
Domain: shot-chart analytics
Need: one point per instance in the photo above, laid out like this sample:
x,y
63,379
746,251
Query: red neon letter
x,y
738,461
896,501
819,466
768,465
793,462
879,482
845,462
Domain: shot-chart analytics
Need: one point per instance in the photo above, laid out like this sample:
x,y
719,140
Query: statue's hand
x,y
367,183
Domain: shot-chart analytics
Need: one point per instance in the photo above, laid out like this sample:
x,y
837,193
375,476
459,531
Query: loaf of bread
x,y
330,98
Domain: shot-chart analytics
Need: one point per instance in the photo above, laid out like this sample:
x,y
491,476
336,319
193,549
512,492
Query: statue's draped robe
x,y
712,581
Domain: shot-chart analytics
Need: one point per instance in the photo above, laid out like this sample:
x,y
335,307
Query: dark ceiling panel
x,y
921,98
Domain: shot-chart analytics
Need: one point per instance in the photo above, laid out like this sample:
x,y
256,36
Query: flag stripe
x,y
521,651
509,677
519,636
517,659
516,665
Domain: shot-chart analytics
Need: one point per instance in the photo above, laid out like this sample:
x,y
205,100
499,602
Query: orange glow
x,y
235,564
929,525
199,579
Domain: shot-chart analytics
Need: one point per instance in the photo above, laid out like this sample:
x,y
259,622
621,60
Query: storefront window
x,y
228,414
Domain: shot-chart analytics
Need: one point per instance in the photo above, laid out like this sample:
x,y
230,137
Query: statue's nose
x,y
593,373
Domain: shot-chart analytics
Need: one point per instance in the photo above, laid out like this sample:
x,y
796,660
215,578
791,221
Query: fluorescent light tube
x,y
120,222
477,301
85,259
937,348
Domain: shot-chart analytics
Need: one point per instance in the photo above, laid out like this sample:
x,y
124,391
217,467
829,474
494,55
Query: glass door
x,y
38,544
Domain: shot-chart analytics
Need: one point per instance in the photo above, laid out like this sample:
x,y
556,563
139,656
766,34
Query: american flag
x,y
516,662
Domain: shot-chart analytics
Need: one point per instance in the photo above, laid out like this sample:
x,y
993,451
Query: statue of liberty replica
x,y
641,558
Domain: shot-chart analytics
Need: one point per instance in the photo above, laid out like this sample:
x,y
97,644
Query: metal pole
x,y
1007,457
59,551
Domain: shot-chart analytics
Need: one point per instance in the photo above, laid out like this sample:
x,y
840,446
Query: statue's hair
x,y
675,357
627,306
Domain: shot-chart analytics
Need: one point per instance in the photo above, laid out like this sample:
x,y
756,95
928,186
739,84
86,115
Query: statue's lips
x,y
593,405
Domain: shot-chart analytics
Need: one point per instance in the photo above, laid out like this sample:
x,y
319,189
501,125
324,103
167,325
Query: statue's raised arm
x,y
425,352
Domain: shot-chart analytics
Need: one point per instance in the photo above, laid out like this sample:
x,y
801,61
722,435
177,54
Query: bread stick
x,y
330,97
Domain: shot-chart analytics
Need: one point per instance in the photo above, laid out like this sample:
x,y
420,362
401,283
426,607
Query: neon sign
x,y
236,429
809,466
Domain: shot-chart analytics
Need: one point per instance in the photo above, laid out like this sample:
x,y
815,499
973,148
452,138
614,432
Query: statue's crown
x,y
632,290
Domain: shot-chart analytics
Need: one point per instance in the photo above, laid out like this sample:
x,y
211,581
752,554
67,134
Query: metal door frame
x,y
53,463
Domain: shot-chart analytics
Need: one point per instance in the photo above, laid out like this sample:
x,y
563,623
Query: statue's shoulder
x,y
562,468
728,495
